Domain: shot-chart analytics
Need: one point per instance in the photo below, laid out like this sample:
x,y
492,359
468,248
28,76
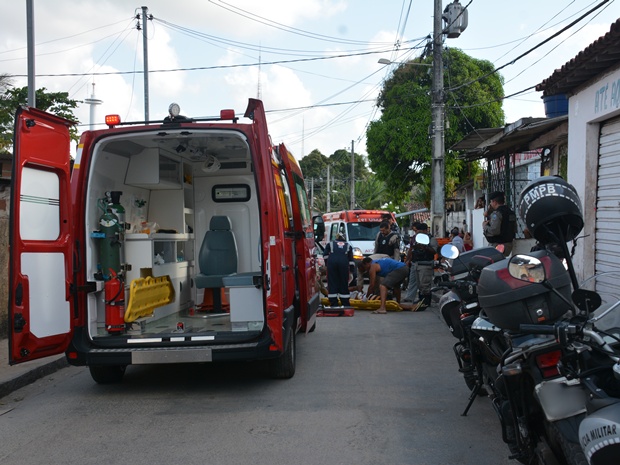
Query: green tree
x,y
314,166
57,103
399,143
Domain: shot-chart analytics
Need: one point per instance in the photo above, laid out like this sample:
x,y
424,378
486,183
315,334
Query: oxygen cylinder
x,y
114,204
114,291
109,244
114,200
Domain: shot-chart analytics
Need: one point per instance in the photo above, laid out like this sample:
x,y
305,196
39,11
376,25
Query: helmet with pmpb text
x,y
551,209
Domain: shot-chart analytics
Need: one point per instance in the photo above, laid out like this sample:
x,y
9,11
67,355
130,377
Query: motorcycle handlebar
x,y
454,284
537,329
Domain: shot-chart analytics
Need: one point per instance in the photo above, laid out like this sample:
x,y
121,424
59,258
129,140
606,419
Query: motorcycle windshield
x,y
607,316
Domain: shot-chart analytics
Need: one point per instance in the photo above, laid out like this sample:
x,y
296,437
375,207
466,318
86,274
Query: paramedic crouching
x,y
393,273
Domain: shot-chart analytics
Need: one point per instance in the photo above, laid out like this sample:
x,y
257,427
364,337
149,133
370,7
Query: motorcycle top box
x,y
463,263
509,302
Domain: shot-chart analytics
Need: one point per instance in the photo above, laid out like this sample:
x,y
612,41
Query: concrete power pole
x,y
32,92
145,52
328,206
352,175
456,18
438,183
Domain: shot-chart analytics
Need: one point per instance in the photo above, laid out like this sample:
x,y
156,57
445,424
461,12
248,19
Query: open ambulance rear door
x,y
305,271
40,238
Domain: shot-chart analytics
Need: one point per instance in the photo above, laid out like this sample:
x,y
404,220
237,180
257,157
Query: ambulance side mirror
x,y
319,228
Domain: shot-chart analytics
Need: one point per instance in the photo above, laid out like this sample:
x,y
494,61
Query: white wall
x,y
590,106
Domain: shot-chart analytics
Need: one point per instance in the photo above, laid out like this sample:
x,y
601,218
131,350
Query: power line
x,y
530,50
203,68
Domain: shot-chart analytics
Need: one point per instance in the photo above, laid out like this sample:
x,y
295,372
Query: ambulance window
x,y
334,232
303,200
287,209
39,205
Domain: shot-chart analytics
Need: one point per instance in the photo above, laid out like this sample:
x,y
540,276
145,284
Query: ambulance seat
x,y
218,254
218,260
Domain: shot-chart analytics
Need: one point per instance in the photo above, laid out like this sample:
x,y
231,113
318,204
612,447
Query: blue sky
x,y
315,101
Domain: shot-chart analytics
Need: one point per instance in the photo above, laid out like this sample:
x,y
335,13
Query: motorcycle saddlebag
x,y
462,263
509,302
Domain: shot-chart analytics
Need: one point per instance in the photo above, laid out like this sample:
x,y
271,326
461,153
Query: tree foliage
x,y
57,103
399,143
368,190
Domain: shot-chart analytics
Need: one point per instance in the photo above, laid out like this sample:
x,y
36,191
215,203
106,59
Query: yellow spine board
x,y
390,305
146,294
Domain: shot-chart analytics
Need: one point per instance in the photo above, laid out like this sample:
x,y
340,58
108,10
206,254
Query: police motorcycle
x,y
586,387
459,305
539,407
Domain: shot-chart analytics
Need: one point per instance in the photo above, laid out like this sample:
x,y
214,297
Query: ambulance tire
x,y
107,374
283,367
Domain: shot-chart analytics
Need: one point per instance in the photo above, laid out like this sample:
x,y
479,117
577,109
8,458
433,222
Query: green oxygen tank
x,y
114,203
110,231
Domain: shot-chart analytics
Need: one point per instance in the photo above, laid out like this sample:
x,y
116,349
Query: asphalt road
x,y
371,389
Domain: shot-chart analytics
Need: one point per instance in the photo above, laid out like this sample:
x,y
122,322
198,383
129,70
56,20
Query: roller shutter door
x,y
607,245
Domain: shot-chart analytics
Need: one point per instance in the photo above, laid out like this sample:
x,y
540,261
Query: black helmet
x,y
550,208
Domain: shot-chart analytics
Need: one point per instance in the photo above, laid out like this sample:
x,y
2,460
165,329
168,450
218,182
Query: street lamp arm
x,y
385,61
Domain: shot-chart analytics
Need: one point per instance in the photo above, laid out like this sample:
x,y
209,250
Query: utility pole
x,y
352,175
438,182
328,206
145,52
456,18
32,93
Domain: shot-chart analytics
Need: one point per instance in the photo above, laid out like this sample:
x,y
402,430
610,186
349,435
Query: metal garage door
x,y
607,254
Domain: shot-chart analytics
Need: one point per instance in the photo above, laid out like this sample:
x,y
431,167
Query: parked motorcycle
x,y
459,306
586,389
540,409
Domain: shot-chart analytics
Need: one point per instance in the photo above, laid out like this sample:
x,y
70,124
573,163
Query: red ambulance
x,y
177,241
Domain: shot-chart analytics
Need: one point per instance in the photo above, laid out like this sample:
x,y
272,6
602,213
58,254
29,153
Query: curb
x,y
30,376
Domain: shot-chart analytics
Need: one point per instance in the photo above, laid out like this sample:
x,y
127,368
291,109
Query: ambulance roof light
x,y
112,120
227,114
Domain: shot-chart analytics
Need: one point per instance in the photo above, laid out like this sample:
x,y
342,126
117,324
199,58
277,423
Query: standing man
x,y
501,226
387,241
456,240
424,257
411,294
393,273
392,222
338,255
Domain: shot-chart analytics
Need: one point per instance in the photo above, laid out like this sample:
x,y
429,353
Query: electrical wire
x,y
268,22
553,36
69,37
202,68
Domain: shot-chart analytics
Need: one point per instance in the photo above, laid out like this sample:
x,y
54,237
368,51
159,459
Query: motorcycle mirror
x,y
526,268
422,239
449,251
585,300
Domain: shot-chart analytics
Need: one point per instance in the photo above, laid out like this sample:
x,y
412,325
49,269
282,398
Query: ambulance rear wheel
x,y
283,367
107,374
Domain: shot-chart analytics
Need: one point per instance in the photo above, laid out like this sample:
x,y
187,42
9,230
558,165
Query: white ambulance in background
x,y
360,229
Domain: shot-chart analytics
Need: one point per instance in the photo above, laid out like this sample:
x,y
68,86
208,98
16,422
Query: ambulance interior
x,y
176,186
